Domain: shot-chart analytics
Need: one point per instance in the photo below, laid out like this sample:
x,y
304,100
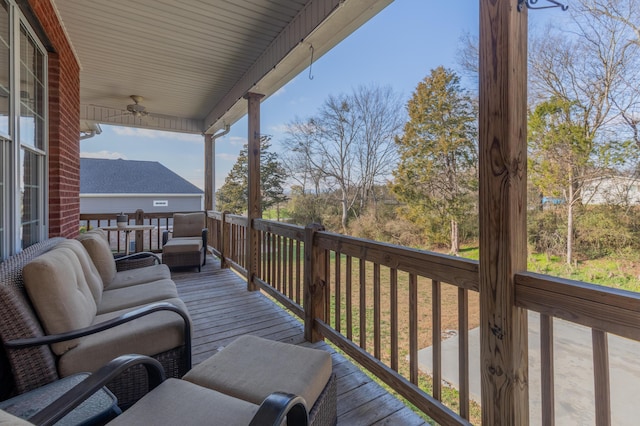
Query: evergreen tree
x,y
233,195
437,177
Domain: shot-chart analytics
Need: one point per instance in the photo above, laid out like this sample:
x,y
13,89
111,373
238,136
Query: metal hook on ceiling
x,y
529,4
311,62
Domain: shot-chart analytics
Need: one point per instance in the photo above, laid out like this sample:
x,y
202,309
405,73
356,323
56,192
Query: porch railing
x,y
380,303
150,240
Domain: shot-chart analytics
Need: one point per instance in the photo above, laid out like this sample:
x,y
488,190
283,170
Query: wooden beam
x,y
209,158
503,185
254,211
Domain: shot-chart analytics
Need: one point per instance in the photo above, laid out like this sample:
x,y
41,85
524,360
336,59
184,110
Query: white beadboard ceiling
x,y
193,60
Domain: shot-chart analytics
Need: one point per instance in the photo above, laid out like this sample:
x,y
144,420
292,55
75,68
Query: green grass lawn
x,y
619,271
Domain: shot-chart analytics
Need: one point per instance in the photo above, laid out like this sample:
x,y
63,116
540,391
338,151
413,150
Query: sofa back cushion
x,y
91,274
99,251
188,224
60,294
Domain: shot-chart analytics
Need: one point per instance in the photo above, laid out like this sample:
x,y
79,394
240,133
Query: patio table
x,y
127,230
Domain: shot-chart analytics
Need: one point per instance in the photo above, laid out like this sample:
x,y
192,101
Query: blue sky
x,y
398,47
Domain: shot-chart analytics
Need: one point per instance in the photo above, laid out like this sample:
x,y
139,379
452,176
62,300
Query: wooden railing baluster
x,y
602,385
349,295
436,336
463,351
376,311
393,285
363,303
547,370
413,328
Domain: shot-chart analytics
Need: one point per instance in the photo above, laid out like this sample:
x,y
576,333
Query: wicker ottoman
x,y
251,368
183,252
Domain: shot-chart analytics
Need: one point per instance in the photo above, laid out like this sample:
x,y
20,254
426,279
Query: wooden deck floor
x,y
222,309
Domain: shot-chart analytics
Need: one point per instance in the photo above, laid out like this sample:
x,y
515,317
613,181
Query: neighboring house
x,y
113,186
614,190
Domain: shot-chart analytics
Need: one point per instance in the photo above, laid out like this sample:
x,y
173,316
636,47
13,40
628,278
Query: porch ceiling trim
x,y
156,121
319,25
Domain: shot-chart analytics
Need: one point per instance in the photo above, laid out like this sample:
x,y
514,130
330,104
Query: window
x,y
23,133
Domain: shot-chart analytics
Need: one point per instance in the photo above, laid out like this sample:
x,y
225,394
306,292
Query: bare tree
x,y
349,143
588,65
378,108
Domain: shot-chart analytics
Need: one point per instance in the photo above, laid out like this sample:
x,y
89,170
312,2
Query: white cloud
x,y
280,91
227,157
237,140
103,154
278,128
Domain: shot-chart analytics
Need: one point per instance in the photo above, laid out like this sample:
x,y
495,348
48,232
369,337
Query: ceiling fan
x,y
136,108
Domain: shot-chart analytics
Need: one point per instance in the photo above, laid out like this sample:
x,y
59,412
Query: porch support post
x,y
315,283
209,173
253,209
503,184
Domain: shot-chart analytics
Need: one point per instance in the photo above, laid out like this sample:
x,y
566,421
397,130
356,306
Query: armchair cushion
x,y
188,224
136,295
98,248
131,277
177,402
149,335
60,295
251,368
91,274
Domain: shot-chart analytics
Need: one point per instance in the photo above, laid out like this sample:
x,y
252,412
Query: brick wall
x,y
64,126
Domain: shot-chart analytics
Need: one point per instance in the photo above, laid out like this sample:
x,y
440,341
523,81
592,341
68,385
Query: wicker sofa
x,y
61,314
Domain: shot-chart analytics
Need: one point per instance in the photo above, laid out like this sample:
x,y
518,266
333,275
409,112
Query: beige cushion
x,y
60,295
140,275
136,295
183,245
176,402
100,252
91,274
251,368
7,419
188,224
149,335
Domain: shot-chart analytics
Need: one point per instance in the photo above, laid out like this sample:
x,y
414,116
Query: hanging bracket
x,y
530,4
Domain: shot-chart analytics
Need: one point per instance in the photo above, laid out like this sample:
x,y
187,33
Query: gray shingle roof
x,y
102,176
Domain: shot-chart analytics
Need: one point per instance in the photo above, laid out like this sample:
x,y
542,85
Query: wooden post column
x,y
503,184
315,284
209,158
254,211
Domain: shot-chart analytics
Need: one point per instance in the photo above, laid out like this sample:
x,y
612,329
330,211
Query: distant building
x,y
113,186
617,190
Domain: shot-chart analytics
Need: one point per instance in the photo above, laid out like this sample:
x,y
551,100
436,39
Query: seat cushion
x,y
183,245
98,248
149,335
136,295
137,276
251,368
11,420
188,224
177,402
59,293
91,274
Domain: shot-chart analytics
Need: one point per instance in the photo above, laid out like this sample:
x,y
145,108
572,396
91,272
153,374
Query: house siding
x,y
115,204
64,125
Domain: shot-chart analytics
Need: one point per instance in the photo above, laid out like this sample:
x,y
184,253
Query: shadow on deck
x,y
222,309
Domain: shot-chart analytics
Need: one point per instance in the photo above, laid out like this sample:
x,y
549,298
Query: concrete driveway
x,y
573,360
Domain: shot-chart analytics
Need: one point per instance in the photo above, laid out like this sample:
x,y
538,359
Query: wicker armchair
x,y
188,243
178,401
